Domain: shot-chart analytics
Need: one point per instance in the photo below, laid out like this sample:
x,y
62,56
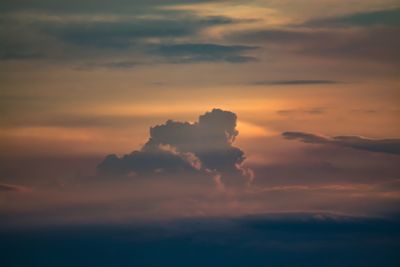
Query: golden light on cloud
x,y
248,16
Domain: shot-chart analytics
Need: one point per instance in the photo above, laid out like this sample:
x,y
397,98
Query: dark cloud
x,y
104,34
98,41
89,6
312,111
390,146
293,82
188,53
389,17
126,64
276,35
21,42
201,147
368,44
124,34
12,188
145,162
365,111
20,55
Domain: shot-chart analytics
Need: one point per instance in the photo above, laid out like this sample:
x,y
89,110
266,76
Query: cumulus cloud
x,y
390,146
204,147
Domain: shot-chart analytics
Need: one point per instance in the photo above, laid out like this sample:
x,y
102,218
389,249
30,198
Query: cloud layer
x,y
109,35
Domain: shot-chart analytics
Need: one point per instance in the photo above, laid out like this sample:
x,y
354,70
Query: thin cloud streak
x,y
294,82
390,146
13,188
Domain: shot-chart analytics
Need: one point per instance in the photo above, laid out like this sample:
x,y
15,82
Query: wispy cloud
x,y
199,52
377,44
390,146
293,82
100,39
312,111
13,188
388,17
90,6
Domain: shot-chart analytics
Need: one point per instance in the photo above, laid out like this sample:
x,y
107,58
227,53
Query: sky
x,y
147,111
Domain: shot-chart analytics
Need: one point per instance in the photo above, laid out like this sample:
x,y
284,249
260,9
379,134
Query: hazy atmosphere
x,y
241,133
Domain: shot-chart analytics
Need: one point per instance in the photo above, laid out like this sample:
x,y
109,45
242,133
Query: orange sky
x,y
84,82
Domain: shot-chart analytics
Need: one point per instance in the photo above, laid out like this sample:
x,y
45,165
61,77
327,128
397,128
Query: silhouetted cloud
x,y
127,33
144,162
12,188
125,64
391,146
201,147
188,53
90,6
293,82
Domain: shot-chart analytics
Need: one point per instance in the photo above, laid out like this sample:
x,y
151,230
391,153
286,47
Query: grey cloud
x,y
331,38
201,147
139,162
367,44
21,42
98,42
123,64
12,188
293,82
365,111
20,55
200,52
312,111
274,35
389,17
124,34
89,6
315,111
390,146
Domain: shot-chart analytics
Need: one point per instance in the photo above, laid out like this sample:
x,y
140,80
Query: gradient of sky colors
x,y
80,81
312,87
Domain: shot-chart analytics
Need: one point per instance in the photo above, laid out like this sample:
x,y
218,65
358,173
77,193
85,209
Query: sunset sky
x,y
120,112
